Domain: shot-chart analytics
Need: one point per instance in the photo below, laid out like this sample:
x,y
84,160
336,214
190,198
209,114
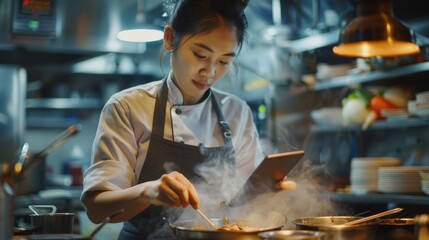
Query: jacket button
x,y
178,111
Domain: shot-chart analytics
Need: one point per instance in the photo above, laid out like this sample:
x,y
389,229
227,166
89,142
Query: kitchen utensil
x,y
396,229
207,219
105,221
372,217
71,236
33,208
32,176
335,229
50,222
292,235
193,230
70,131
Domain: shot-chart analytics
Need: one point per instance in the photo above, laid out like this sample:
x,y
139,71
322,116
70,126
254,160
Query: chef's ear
x,y
168,38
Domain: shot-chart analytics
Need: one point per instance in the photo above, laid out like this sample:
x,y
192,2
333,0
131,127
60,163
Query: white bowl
x,y
327,116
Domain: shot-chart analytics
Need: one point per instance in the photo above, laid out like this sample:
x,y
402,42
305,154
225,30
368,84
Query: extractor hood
x,y
64,31
87,29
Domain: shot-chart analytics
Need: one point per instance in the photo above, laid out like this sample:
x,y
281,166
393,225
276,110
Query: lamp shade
x,y
140,35
141,31
375,32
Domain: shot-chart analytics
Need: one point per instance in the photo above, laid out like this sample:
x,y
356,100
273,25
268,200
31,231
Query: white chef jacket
x,y
123,134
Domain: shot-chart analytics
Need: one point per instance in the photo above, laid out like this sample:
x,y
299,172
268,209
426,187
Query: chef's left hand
x,y
285,185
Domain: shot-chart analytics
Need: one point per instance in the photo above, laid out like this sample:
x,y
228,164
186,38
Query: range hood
x,y
68,31
87,29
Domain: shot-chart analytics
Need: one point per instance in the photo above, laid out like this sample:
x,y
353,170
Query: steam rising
x,y
273,208
222,182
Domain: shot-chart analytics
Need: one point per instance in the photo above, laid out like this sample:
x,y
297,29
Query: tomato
x,y
378,103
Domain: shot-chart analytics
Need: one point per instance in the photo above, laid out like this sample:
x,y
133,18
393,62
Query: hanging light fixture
x,y
142,31
375,32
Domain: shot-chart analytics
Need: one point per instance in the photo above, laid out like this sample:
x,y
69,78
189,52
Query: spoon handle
x,y
382,214
207,219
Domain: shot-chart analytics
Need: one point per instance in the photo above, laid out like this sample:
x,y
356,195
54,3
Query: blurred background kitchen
x,y
60,60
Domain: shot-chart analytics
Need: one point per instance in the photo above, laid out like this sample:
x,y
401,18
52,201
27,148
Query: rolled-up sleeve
x,y
114,151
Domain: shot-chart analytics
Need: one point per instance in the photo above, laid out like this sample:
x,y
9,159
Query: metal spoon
x,y
372,217
207,219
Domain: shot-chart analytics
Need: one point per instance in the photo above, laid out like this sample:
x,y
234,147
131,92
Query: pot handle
x,y
170,226
33,208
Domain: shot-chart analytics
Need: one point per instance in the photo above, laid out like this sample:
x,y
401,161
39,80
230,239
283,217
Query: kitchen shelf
x,y
379,125
374,198
374,76
64,103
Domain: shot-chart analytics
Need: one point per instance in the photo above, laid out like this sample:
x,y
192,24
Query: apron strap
x,y
224,126
159,114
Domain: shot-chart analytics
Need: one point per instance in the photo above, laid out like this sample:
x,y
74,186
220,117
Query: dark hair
x,y
192,17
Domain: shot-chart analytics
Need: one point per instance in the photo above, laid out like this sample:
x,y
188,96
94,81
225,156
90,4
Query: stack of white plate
x,y
425,186
402,179
364,173
420,106
424,175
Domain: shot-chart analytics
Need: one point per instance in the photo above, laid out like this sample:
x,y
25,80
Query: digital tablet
x,y
272,169
275,167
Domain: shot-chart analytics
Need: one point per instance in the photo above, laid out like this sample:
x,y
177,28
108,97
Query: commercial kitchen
x,y
346,81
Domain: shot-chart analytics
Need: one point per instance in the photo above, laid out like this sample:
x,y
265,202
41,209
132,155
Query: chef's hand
x,y
285,185
173,190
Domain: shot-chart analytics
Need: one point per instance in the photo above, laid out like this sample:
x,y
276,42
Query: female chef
x,y
151,137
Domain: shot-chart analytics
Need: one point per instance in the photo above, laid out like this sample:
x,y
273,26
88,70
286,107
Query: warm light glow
x,y
368,49
18,167
140,35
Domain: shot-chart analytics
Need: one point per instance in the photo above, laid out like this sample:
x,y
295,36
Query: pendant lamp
x,y
142,32
375,32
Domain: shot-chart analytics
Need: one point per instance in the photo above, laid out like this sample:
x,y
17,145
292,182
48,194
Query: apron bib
x,y
166,154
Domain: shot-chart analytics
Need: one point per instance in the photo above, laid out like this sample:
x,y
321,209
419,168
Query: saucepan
x,y
345,227
71,236
46,220
396,229
336,229
50,222
195,230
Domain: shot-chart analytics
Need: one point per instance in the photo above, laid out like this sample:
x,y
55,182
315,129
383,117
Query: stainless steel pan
x,y
193,230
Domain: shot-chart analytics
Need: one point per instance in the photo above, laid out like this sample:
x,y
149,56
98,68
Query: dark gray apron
x,y
164,156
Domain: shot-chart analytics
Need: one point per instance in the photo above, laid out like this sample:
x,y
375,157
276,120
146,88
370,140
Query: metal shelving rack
x,y
373,77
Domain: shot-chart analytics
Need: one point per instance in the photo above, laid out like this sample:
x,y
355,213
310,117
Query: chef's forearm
x,y
101,204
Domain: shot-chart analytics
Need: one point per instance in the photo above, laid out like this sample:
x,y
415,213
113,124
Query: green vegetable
x,y
361,94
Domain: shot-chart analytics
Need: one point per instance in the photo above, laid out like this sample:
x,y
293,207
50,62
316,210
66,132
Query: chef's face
x,y
201,60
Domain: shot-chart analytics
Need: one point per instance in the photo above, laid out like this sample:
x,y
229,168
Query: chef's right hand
x,y
173,190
